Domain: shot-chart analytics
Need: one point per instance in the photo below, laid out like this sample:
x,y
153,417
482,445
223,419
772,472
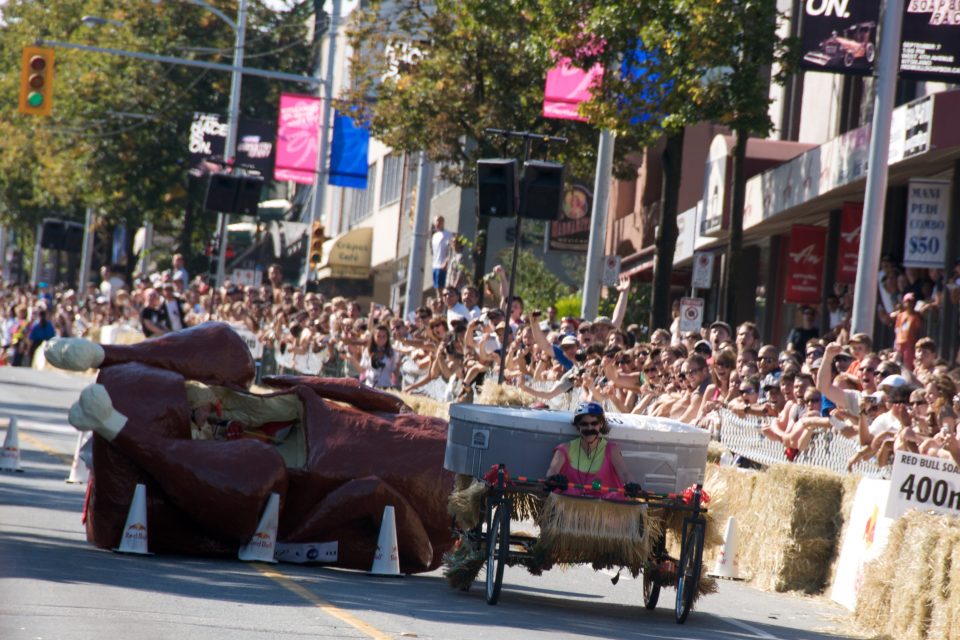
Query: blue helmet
x,y
587,409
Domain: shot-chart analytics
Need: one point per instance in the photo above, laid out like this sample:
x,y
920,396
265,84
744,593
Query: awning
x,y
347,255
639,267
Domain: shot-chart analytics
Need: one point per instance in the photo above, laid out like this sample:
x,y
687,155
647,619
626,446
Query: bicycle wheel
x,y
498,544
688,571
651,589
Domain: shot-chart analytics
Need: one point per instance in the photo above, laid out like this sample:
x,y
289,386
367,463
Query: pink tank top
x,y
579,468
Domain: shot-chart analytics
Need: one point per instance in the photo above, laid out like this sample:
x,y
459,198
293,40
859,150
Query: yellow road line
x,y
322,604
39,444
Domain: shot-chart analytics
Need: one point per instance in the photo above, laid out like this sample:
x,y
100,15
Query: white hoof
x,y
73,354
94,412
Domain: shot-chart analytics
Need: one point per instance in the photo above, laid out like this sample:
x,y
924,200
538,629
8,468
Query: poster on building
x,y
930,41
924,243
805,264
572,231
840,36
298,129
208,139
848,251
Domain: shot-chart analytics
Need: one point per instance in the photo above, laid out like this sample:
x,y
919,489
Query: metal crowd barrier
x,y
827,449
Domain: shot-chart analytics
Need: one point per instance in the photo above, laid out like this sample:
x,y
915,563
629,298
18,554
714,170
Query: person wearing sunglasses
x,y
747,393
590,458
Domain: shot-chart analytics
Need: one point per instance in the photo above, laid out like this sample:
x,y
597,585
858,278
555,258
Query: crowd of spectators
x,y
903,397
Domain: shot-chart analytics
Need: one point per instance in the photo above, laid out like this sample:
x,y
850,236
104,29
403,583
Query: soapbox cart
x,y
499,446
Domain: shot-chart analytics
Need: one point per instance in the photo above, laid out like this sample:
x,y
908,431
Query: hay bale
x,y
714,451
913,590
503,395
786,523
849,484
425,406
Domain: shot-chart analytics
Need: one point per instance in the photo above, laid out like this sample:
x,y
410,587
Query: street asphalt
x,y
56,586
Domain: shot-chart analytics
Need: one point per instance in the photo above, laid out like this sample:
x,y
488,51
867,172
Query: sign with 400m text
x,y
923,482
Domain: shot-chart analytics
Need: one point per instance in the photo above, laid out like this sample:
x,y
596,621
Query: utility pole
x,y
421,233
598,226
86,253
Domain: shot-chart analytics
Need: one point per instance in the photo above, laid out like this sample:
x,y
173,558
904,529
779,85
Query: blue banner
x,y
348,153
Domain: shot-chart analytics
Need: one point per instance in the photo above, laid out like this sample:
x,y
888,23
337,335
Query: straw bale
x,y
425,406
504,395
909,591
714,451
786,523
849,484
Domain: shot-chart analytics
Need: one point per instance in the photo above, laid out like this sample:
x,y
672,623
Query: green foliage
x,y
569,305
478,67
536,284
117,137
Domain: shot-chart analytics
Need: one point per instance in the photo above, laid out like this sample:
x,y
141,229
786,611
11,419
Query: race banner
x,y
568,86
298,129
348,153
923,482
848,252
805,264
208,140
840,36
928,202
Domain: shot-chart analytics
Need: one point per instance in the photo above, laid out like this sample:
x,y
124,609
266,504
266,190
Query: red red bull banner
x,y
849,248
805,264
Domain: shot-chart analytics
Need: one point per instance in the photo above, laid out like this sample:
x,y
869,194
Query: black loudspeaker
x,y
229,193
541,190
248,195
73,237
497,187
221,192
51,234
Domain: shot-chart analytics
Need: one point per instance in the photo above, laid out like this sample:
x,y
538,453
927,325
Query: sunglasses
x,y
768,359
869,370
651,370
919,403
588,423
584,331
747,391
684,374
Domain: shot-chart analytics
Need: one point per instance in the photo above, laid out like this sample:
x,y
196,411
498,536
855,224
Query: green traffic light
x,y
35,99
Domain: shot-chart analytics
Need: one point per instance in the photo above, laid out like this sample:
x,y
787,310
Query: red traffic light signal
x,y
36,81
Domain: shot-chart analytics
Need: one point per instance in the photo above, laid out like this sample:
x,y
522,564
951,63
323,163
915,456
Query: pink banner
x,y
298,129
567,87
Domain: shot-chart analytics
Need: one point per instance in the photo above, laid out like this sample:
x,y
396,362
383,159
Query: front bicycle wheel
x,y
498,544
688,571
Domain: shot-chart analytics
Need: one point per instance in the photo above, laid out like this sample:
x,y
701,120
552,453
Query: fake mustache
x,y
589,432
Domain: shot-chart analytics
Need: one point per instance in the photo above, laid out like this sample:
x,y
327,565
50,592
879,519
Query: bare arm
x,y
620,311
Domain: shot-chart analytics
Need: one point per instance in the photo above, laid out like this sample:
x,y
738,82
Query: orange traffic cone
x,y
386,560
10,454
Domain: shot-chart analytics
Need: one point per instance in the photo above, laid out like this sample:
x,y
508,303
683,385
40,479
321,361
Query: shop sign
x,y
805,264
927,204
848,252
572,231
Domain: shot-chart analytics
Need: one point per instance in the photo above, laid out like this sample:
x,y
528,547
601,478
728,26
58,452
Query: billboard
x,y
840,36
208,138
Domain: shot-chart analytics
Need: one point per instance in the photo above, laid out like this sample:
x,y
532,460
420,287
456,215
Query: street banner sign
x,y
568,86
805,264
348,153
611,271
848,252
691,314
298,129
702,270
928,202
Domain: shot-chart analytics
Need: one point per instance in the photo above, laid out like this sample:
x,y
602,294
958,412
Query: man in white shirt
x,y
440,243
110,283
456,310
180,272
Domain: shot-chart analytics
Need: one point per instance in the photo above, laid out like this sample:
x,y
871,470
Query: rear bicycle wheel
x,y
651,589
688,571
498,544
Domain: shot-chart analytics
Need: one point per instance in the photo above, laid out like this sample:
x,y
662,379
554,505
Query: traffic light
x,y
36,81
317,238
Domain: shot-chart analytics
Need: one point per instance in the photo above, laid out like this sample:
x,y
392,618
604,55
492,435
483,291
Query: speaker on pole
x,y
51,234
541,190
497,187
73,237
221,192
248,195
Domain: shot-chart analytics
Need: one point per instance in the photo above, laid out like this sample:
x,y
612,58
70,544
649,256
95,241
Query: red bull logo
x,y
136,531
262,539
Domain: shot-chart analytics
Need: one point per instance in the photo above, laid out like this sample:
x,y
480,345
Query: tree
x,y
117,137
434,76
661,59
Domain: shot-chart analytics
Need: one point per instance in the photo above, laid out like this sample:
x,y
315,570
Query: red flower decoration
x,y
688,495
491,475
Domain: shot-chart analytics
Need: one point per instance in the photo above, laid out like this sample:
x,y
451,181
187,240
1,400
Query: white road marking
x,y
760,633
